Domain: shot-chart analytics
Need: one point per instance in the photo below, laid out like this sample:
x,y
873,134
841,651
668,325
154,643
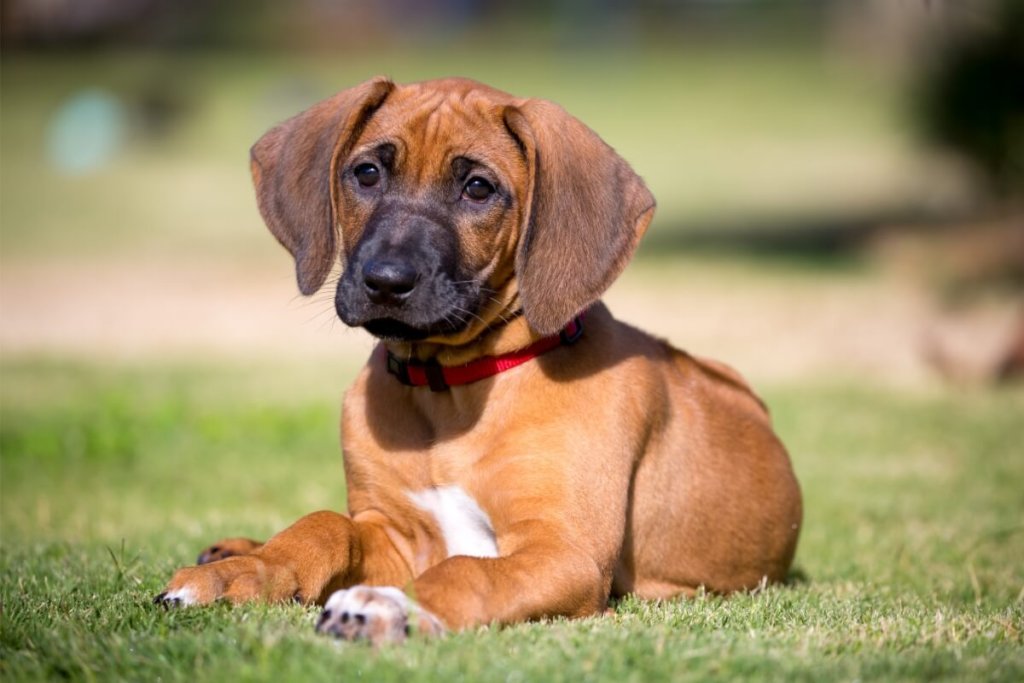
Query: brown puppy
x,y
474,227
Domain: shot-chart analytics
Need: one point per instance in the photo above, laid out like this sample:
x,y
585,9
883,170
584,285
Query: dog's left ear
x,y
293,166
584,214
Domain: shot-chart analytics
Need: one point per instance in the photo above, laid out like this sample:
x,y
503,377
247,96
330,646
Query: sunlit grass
x,y
911,563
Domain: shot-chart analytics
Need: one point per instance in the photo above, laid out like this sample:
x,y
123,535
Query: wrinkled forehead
x,y
432,123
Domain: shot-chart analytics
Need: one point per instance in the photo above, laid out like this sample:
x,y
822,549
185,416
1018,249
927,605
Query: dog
x,y
512,452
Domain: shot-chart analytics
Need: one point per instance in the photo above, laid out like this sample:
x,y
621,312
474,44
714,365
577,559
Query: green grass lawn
x,y
911,563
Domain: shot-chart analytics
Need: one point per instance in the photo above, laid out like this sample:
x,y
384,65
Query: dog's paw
x,y
237,579
376,614
227,547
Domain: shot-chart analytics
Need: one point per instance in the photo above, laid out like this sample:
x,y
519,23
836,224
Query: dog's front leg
x,y
318,553
543,579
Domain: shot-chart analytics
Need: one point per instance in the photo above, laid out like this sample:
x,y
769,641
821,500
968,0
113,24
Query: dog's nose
x,y
388,282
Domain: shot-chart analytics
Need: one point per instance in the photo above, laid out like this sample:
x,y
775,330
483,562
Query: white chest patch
x,y
465,526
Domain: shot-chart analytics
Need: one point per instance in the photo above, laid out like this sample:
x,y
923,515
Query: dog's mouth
x,y
393,330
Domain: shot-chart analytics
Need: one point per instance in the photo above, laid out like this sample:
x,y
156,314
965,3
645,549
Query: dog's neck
x,y
505,334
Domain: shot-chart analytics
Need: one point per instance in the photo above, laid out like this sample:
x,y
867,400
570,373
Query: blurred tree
x,y
973,98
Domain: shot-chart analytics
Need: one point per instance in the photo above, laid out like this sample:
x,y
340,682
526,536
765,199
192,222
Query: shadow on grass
x,y
797,577
826,238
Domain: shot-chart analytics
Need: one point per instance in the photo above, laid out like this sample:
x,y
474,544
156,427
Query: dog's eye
x,y
477,189
367,175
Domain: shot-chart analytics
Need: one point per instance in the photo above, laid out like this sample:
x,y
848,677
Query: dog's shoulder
x,y
696,377
721,380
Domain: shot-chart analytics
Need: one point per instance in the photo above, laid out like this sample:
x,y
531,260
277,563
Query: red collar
x,y
440,378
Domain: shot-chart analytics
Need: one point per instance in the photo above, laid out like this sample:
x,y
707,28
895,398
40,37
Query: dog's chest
x,y
465,526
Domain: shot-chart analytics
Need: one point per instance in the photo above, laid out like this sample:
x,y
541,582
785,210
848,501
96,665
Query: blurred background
x,y
839,182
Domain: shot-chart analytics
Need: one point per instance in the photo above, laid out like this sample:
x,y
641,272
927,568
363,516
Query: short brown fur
x,y
615,465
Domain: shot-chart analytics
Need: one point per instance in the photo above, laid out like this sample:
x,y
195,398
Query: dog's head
x,y
452,205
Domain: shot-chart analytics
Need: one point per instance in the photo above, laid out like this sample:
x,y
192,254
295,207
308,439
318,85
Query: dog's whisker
x,y
460,309
501,311
321,315
314,303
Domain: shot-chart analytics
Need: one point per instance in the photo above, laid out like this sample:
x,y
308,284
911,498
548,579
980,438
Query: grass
x,y
911,563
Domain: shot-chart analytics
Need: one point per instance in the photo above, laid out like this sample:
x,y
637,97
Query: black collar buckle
x,y
399,369
572,335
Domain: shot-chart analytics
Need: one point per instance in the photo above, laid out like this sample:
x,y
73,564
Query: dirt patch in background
x,y
770,327
137,310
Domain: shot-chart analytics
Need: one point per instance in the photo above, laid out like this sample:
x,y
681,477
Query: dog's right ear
x,y
293,166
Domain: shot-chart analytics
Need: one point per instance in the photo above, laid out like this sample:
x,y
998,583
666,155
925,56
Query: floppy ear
x,y
586,210
293,166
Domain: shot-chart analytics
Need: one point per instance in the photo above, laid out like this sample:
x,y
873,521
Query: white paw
x,y
181,597
379,614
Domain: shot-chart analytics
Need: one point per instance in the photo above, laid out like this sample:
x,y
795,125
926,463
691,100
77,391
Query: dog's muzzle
x,y
403,282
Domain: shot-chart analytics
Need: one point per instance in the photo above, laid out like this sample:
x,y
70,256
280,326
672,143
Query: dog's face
x,y
431,215
452,205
